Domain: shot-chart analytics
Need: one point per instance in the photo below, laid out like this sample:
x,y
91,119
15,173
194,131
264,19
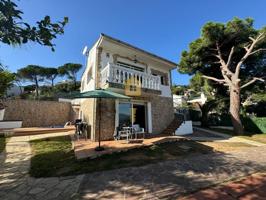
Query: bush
x,y
251,124
255,124
195,115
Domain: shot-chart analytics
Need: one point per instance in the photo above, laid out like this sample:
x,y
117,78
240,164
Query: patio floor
x,y
85,149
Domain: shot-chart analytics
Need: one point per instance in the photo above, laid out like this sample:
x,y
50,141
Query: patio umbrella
x,y
101,94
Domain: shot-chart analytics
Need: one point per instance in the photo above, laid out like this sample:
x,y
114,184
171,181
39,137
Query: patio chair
x,y
122,132
137,130
81,129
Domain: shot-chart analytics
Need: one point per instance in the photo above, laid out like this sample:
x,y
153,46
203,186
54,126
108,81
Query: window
x,y
163,76
129,66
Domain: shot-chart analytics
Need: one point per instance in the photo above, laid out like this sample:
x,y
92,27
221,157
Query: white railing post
x,y
116,74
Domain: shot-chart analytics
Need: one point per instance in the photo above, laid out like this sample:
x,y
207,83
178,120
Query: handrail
x,y
117,74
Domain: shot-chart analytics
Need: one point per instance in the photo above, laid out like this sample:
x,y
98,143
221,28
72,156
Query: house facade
x,y
123,68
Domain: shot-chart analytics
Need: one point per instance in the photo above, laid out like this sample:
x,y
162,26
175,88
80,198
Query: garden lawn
x,y
54,157
257,137
2,143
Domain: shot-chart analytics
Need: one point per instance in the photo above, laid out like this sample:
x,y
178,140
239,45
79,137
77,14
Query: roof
x,y
138,49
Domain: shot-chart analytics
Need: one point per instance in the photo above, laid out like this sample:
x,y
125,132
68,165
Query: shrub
x,y
195,115
251,124
255,124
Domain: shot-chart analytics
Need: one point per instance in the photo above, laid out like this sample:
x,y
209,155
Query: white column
x,y
116,112
149,117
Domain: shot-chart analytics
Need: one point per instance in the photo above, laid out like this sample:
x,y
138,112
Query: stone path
x,y
15,182
248,188
172,179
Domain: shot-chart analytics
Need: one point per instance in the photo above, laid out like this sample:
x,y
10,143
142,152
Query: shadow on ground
x,y
172,179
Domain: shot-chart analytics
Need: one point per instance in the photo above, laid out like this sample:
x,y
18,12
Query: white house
x,y
129,70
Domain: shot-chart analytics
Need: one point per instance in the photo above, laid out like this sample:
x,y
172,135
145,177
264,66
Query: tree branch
x,y
249,52
252,81
214,79
230,56
258,50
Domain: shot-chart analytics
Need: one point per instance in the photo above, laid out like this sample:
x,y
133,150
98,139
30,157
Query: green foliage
x,y
6,81
15,31
255,124
179,89
51,74
201,54
251,124
195,115
70,70
32,73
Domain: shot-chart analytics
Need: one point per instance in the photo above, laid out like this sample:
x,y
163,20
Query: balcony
x,y
119,75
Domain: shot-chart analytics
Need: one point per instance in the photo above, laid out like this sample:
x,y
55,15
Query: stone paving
x,y
15,182
172,179
164,180
249,188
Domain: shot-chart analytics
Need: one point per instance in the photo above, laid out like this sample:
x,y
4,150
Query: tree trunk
x,y
37,88
235,109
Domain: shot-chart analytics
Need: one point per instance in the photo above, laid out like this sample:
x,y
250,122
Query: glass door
x,y
125,114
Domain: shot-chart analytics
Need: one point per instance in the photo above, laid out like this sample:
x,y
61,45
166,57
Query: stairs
x,y
177,121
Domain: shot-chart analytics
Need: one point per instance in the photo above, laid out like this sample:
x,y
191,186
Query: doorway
x,y
139,115
130,113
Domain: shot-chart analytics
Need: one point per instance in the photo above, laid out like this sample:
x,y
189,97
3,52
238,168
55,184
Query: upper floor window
x,y
163,76
129,66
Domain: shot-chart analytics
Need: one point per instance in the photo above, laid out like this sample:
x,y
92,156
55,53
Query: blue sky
x,y
163,27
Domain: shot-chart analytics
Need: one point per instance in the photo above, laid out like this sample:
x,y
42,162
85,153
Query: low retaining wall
x,y
38,113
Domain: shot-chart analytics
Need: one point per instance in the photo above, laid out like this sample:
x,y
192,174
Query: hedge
x,y
255,124
251,124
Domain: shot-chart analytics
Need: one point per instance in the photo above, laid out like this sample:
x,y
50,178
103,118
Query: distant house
x,y
179,100
14,91
129,70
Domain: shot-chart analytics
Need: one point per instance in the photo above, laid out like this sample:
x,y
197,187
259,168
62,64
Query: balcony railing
x,y
115,74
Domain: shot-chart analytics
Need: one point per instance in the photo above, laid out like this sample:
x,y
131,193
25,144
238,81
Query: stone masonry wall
x,y
107,119
87,108
162,114
38,113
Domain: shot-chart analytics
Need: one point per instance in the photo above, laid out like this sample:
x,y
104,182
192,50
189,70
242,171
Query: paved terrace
x,y
85,148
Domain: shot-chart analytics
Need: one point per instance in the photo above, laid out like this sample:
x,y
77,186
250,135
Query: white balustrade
x,y
115,74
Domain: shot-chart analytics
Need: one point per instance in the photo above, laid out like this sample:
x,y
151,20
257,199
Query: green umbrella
x,y
99,94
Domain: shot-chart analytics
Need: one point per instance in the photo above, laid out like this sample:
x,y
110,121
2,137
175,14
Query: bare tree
x,y
232,80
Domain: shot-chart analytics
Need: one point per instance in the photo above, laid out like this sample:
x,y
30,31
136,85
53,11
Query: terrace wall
x,y
38,113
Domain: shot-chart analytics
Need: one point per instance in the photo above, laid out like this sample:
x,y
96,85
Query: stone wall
x,y
38,113
107,119
162,113
87,109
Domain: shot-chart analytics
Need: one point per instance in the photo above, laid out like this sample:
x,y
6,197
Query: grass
x,y
54,157
257,137
2,143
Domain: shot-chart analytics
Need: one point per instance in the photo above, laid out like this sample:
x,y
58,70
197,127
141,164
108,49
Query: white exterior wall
x,y
165,89
14,91
90,65
185,128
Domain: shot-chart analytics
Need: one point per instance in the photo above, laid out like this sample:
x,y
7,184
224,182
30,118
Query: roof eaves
x,y
139,49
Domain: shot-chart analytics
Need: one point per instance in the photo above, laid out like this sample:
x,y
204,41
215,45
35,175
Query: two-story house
x,y
116,65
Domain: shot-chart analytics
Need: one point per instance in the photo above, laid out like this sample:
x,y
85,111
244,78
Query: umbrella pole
x,y
99,148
